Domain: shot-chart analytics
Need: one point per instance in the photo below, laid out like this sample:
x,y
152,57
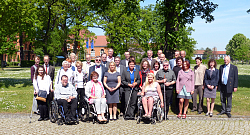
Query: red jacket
x,y
151,71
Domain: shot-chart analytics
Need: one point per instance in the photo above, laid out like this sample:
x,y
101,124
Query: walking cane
x,y
164,100
129,99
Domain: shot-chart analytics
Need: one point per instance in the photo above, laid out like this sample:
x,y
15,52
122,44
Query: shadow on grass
x,y
7,82
243,81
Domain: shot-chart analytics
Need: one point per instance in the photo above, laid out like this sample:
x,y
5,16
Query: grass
x,y
16,92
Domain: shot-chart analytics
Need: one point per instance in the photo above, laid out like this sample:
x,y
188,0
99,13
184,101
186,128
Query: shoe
x,y
121,114
145,115
37,113
40,119
114,119
67,119
148,116
193,110
179,116
104,119
221,113
184,116
211,115
47,118
199,112
229,115
207,114
167,119
73,119
99,118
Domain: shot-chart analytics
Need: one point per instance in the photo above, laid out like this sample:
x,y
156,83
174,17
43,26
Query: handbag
x,y
42,95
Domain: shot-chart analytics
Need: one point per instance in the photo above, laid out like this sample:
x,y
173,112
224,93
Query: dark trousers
x,y
122,100
132,102
198,90
80,94
167,98
50,97
226,100
72,105
43,108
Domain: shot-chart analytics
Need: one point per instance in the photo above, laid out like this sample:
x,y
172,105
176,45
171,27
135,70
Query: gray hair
x,y
65,62
166,61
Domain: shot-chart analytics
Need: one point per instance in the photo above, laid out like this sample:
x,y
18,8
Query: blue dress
x,y
112,80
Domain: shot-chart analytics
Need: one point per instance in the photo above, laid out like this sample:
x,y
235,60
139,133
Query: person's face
x,y
165,66
73,58
88,58
98,61
176,54
79,67
65,66
95,78
131,66
198,62
127,55
117,61
144,65
185,66
104,57
150,78
69,65
64,81
40,71
112,67
159,53
162,58
149,53
183,54
211,64
110,53
226,60
179,63
157,66
37,61
46,60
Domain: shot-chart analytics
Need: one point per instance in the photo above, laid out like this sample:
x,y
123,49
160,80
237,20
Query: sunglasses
x,y
165,65
97,60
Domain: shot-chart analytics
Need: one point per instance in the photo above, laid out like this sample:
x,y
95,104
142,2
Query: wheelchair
x,y
57,114
88,113
157,112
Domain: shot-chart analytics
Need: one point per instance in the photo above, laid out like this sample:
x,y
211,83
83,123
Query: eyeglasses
x,y
97,60
166,65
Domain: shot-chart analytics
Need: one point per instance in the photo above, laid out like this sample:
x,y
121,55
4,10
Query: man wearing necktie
x,y
228,83
150,58
99,68
104,62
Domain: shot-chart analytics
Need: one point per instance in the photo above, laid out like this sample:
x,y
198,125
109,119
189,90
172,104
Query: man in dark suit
x,y
50,70
120,68
131,80
105,63
183,55
228,83
150,58
125,61
99,68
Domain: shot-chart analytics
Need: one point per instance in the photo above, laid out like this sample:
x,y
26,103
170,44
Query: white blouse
x,y
40,84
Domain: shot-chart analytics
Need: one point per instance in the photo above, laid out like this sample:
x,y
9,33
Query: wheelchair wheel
x,y
84,111
53,111
153,121
107,114
159,112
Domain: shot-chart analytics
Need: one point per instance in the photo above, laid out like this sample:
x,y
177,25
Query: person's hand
x,y
69,100
110,89
164,80
140,87
177,91
142,94
203,87
235,89
216,88
130,85
167,83
134,84
103,96
162,104
192,92
52,90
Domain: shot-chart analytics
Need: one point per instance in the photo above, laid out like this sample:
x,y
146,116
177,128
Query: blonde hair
x,y
146,82
79,63
110,64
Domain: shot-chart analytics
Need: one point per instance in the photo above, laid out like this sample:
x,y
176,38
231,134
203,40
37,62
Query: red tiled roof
x,y
202,51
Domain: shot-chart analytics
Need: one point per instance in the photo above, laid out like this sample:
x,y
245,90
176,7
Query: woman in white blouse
x,y
42,82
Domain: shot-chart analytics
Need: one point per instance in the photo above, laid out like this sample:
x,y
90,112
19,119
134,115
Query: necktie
x,y
46,70
97,66
225,76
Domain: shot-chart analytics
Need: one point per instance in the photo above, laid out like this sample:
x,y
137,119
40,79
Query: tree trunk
x,y
1,61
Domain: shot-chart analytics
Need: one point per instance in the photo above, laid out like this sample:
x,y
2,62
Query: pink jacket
x,y
186,79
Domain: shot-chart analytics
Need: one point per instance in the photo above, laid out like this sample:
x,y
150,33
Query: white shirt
x,y
110,59
118,69
68,73
99,71
149,60
226,72
126,63
79,79
40,84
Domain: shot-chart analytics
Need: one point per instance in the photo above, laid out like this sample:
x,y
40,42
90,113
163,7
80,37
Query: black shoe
x,y
37,113
193,110
121,114
229,115
199,112
67,119
47,118
167,119
221,113
40,119
73,119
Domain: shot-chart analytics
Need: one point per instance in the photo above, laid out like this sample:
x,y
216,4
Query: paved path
x,y
19,124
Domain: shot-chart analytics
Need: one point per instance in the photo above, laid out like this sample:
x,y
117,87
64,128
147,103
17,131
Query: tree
x,y
207,53
239,47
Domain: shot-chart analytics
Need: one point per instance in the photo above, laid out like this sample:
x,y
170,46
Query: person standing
x,y
150,59
112,82
87,64
158,55
176,69
228,83
73,61
110,55
42,82
65,71
162,58
184,87
183,55
125,61
99,68
105,63
145,69
32,71
211,80
166,78
131,80
136,66
156,67
172,62
199,72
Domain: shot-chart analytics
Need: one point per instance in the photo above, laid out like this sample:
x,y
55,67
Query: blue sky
x,y
230,18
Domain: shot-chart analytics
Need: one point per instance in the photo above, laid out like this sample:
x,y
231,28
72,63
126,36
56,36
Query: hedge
x,y
29,63
219,61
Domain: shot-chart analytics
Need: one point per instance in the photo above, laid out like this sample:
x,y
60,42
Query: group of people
x,y
110,80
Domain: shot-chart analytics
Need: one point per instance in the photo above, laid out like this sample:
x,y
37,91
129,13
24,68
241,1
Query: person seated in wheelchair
x,y
151,92
95,93
66,94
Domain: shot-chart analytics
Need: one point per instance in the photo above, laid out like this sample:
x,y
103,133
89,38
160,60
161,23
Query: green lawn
x,y
16,92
